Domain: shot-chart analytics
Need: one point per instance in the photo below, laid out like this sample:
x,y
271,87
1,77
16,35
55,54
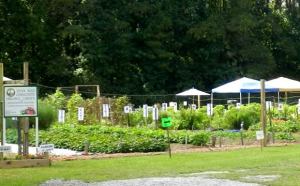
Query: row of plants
x,y
105,139
224,117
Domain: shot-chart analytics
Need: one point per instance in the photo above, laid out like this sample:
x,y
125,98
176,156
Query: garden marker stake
x,y
166,123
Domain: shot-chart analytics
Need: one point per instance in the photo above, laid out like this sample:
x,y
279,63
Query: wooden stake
x,y
26,119
263,110
99,114
170,154
1,103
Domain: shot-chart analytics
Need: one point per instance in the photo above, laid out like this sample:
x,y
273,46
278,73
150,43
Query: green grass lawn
x,y
284,161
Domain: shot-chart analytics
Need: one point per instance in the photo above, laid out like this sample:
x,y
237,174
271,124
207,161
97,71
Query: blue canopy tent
x,y
254,87
242,85
233,87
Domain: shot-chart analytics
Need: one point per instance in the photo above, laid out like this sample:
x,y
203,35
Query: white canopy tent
x,y
285,85
6,79
193,92
234,87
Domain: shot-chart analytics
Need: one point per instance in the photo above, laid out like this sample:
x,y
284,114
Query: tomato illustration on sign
x,y
29,111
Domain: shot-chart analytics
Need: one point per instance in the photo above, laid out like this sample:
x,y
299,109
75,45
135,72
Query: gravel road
x,y
163,181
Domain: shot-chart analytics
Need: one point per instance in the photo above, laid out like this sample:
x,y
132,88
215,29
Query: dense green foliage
x,y
129,46
105,139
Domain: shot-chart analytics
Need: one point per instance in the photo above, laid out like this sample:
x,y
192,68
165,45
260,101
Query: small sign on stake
x,y
185,103
46,148
6,149
80,113
209,109
259,135
105,110
164,106
174,105
145,111
166,122
193,106
268,105
126,109
61,116
238,105
155,113
280,106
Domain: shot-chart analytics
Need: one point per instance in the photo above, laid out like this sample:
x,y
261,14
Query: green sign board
x,y
166,122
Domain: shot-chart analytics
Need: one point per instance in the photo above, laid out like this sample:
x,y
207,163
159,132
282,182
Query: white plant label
x,y
174,105
280,106
269,105
105,110
61,116
5,148
80,113
126,109
259,135
164,106
238,105
209,109
155,113
194,107
145,111
46,148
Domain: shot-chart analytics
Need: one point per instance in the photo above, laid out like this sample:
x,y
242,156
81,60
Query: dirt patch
x,y
176,148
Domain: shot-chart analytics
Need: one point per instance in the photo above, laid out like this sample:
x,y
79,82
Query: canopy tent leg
x,y
249,98
278,97
198,101
212,98
286,97
240,97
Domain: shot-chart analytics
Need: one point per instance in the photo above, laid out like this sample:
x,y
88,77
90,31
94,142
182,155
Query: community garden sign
x,y
20,101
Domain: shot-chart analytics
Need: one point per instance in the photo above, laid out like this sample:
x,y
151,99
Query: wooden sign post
x,y
263,119
1,106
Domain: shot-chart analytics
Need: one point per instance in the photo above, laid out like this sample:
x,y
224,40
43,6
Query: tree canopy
x,y
149,46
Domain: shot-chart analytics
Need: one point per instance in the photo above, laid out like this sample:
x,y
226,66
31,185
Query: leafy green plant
x,y
118,115
200,138
47,115
73,103
57,100
105,139
248,114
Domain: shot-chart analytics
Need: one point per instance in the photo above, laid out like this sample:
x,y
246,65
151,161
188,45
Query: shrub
x,y
118,115
248,114
73,103
47,115
200,138
58,99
